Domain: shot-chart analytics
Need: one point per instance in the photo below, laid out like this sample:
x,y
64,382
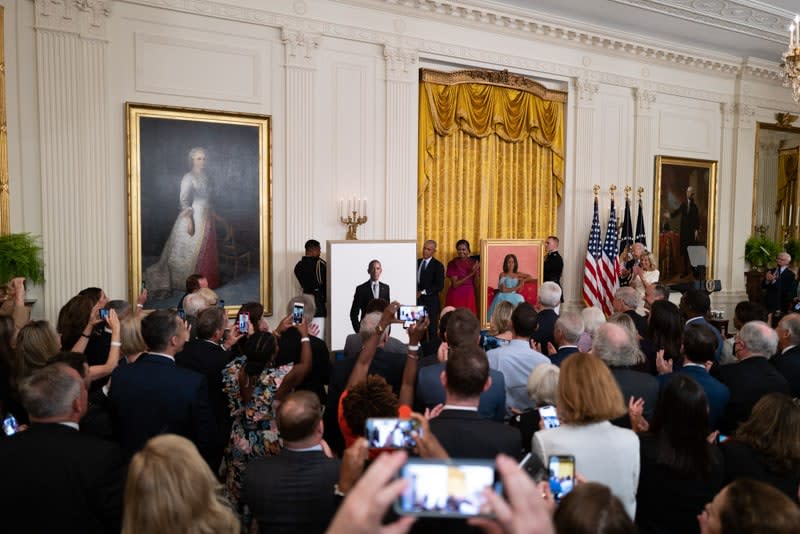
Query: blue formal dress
x,y
513,297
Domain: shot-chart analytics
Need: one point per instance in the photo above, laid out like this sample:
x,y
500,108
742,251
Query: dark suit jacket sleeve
x,y
385,292
437,278
205,427
106,497
354,309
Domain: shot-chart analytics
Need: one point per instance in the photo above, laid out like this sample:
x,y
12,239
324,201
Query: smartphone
x,y
182,314
103,313
143,287
453,488
549,416
297,312
391,433
244,322
562,475
410,314
221,303
10,425
533,466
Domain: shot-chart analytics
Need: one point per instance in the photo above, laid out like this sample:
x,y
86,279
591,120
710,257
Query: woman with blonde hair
x,y
499,332
588,398
37,344
170,488
133,344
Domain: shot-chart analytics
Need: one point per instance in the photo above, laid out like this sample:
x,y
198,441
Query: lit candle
x,y
341,207
365,207
791,37
355,204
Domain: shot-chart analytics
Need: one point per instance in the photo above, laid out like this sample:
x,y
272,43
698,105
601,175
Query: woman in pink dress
x,y
462,271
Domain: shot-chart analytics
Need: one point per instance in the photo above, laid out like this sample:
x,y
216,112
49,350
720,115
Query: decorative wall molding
x,y
644,98
401,63
489,20
86,18
586,90
746,114
300,46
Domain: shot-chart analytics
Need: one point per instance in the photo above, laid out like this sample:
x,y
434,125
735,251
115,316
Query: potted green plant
x,y
792,247
21,255
759,253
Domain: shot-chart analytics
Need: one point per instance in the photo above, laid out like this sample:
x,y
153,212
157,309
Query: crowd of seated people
x,y
124,419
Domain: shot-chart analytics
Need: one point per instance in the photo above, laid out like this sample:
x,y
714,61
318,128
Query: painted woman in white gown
x,y
192,243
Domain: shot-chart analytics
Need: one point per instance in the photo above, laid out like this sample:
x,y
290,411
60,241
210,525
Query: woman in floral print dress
x,y
255,387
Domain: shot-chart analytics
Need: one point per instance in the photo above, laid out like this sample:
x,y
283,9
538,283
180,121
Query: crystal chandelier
x,y
791,60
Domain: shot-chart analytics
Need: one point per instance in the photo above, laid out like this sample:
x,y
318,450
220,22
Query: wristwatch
x,y
379,329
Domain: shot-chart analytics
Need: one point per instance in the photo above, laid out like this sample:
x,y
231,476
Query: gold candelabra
x,y
791,60
353,221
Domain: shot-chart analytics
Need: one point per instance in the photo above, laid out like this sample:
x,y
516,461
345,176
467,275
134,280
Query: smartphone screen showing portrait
x,y
562,475
447,488
297,312
391,433
549,416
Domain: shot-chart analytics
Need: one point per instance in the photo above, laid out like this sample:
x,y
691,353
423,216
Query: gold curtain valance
x,y
482,103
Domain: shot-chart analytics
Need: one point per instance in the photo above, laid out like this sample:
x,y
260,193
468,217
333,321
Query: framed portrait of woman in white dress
x,y
199,203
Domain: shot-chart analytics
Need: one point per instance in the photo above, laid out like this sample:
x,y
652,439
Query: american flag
x,y
609,273
640,235
626,239
592,288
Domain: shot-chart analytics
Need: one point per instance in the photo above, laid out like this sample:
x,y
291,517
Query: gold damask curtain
x,y
491,158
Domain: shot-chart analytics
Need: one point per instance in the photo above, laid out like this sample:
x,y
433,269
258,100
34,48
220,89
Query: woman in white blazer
x,y
588,397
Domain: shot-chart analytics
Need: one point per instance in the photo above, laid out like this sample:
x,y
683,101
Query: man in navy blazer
x,y
694,306
787,361
569,328
779,285
153,396
698,350
548,299
371,289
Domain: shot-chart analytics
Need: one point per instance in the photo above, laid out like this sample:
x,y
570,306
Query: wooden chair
x,y
231,253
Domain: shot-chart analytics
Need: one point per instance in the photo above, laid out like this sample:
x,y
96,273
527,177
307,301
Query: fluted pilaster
x,y
401,132
71,59
645,136
300,53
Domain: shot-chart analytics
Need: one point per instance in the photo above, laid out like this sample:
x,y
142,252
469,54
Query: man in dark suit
x,y
787,362
548,298
311,273
430,282
568,329
208,357
753,376
371,289
612,344
779,285
628,301
430,389
690,225
154,396
553,263
459,428
698,351
294,491
55,478
694,305
626,272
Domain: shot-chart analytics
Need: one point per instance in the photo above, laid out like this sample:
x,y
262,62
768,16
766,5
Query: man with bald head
x,y
753,376
293,491
690,226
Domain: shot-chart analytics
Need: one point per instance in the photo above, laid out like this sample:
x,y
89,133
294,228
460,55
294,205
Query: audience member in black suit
x,y
154,396
779,285
614,346
293,491
548,298
311,273
55,478
371,289
679,470
430,282
753,377
171,489
628,301
97,421
698,350
766,447
694,306
429,350
459,428
788,361
289,346
205,355
664,330
567,331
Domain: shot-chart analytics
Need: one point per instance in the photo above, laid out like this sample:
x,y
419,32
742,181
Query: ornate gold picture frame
x,y
529,255
199,201
684,215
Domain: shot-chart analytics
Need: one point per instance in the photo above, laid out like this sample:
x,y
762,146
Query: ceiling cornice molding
x,y
503,19
742,16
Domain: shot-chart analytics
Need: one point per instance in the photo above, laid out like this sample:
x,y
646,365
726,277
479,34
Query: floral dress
x,y
254,432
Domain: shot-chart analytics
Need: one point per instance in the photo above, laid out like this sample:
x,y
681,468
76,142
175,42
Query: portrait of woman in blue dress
x,y
508,283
